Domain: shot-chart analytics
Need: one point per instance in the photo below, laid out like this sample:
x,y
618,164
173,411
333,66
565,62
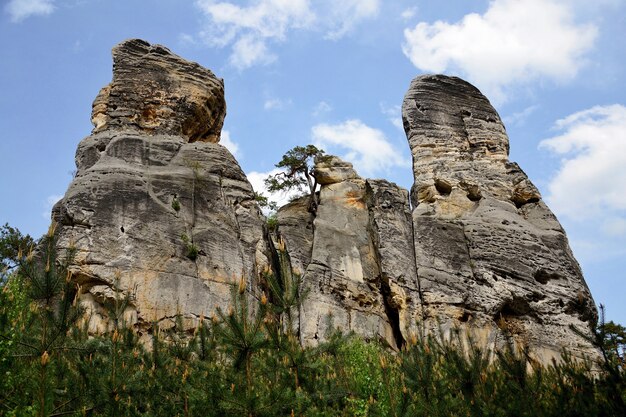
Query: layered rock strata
x,y
353,256
490,254
159,210
161,213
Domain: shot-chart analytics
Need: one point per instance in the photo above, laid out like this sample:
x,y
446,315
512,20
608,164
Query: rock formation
x,y
160,211
480,251
352,256
489,253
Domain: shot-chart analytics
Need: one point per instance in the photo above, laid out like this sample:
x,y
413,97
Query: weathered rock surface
x,y
490,254
157,210
160,211
157,92
355,255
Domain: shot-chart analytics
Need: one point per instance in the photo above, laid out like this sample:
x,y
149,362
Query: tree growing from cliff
x,y
297,173
13,247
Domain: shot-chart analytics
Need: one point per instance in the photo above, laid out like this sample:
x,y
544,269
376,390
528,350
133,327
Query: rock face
x,y
352,281
489,253
353,254
158,209
154,91
479,251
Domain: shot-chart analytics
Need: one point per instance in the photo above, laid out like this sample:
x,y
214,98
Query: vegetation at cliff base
x,y
246,360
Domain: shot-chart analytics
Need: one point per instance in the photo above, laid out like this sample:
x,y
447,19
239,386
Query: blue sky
x,y
334,73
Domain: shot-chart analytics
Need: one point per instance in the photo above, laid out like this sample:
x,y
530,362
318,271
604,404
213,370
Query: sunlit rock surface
x,y
161,213
158,209
490,254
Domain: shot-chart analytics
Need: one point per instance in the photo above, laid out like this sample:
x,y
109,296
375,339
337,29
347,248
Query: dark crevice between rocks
x,y
281,266
417,274
391,311
393,315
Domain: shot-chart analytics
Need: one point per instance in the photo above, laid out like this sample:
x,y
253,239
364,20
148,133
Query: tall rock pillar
x,y
159,210
490,254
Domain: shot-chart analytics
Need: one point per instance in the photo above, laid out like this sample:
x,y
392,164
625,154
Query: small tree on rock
x,y
298,173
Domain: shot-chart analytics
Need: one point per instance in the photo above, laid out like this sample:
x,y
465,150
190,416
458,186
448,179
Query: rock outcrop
x,y
352,255
158,209
490,255
154,91
479,251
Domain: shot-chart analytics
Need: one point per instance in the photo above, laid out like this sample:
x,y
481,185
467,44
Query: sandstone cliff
x,y
489,253
158,208
161,211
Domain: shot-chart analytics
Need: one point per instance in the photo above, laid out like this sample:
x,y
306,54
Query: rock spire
x,y
158,209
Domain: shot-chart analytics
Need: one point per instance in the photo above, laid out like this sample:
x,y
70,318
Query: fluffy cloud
x,y
590,184
321,108
519,118
513,42
409,13
367,148
249,29
340,17
21,9
229,144
277,104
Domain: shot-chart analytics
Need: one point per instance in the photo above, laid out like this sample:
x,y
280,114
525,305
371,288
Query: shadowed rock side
x,y
355,255
490,254
157,210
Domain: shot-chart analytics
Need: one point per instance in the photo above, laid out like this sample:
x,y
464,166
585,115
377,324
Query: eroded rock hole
x,y
514,307
443,187
465,317
520,202
542,276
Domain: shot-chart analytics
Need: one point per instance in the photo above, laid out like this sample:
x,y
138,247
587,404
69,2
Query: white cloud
x,y
250,29
229,144
590,184
340,17
276,104
321,108
512,43
186,39
51,200
257,179
248,51
409,13
367,148
519,118
394,115
22,9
